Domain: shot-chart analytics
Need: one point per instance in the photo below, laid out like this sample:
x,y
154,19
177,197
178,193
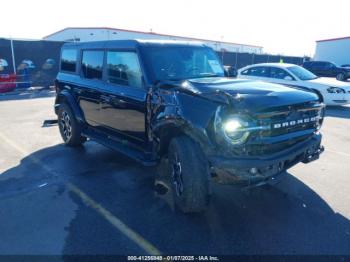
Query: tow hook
x,y
311,156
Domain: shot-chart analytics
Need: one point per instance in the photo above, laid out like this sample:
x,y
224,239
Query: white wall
x,y
337,51
107,34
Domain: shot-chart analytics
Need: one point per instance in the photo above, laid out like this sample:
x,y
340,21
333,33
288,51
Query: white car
x,y
333,92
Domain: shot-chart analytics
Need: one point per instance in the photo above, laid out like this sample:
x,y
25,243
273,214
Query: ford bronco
x,y
154,100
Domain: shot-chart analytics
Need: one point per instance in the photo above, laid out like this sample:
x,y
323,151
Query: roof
x,y
141,32
129,43
333,39
283,65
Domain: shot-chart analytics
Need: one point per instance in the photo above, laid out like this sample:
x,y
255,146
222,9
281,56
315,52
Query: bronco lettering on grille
x,y
295,122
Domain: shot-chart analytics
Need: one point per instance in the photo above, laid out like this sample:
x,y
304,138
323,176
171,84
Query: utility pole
x,y
13,56
222,51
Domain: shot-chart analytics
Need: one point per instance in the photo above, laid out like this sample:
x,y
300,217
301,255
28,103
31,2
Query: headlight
x,y
336,90
233,129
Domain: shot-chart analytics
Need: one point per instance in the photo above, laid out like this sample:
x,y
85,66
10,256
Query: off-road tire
x,y
69,127
194,171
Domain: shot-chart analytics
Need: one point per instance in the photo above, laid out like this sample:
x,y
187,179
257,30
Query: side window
x,y
259,71
245,72
279,73
328,65
323,65
69,60
92,64
317,65
123,68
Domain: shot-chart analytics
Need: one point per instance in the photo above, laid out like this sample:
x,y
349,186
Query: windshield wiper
x,y
206,75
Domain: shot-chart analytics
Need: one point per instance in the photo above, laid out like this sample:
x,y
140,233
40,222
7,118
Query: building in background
x,y
335,50
83,34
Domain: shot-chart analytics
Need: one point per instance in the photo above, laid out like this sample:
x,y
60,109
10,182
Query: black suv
x,y
169,103
327,69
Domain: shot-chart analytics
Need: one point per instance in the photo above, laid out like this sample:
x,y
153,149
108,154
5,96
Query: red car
x,y
7,82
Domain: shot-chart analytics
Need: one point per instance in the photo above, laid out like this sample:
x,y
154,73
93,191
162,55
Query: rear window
x,y
69,60
92,64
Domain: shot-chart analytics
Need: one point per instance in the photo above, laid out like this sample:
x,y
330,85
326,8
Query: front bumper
x,y
255,170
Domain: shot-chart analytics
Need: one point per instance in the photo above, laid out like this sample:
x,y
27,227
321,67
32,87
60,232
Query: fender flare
x,y
319,94
176,127
66,97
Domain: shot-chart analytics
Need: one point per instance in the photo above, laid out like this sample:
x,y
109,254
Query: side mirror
x,y
288,78
230,71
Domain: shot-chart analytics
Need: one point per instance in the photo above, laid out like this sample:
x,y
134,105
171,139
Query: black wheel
x,y
69,127
340,77
189,175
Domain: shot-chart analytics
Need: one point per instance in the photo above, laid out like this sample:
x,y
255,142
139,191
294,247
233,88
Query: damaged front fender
x,y
175,113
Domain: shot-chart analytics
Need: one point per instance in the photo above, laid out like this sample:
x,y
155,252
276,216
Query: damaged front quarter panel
x,y
178,108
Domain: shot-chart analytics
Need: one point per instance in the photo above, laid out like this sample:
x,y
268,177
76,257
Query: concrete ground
x,y
90,200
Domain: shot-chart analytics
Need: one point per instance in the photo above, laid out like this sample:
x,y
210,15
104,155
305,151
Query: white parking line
x,y
113,220
117,223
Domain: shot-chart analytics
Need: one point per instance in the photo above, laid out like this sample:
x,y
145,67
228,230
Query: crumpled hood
x,y
328,81
255,95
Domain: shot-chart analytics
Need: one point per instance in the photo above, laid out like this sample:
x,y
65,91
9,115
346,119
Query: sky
x,y
287,27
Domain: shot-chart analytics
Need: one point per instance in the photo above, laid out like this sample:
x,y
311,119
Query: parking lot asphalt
x,y
90,200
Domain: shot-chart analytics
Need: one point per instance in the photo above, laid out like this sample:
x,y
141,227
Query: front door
x,y
123,100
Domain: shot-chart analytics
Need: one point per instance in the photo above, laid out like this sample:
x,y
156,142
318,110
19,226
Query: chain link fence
x,y
36,63
239,60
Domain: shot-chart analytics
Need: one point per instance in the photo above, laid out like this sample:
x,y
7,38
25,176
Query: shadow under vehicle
x,y
289,218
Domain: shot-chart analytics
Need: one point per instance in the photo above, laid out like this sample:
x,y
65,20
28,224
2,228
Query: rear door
x,y
123,100
256,73
321,69
91,84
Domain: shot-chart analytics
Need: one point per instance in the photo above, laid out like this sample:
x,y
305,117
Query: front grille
x,y
264,149
284,127
289,119
290,122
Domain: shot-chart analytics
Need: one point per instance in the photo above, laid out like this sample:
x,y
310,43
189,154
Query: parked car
x,y
7,82
332,91
327,69
169,102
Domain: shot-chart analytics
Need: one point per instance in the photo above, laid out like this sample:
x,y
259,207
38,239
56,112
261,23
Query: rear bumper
x,y
254,170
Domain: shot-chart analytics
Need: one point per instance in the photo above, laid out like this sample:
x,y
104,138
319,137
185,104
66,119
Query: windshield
x,y
302,73
334,64
182,62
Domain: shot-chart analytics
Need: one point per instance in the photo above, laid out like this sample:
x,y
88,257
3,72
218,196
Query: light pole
x,y
222,50
13,56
